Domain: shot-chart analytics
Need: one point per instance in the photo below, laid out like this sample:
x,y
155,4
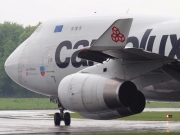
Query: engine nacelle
x,y
88,93
138,107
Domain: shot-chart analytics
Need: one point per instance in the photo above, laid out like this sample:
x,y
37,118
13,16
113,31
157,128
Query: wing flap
x,y
96,56
128,54
135,54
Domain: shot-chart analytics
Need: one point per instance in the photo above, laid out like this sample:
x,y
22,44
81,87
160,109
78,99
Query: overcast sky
x,y
30,12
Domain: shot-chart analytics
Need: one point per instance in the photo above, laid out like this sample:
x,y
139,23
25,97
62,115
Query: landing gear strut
x,y
58,117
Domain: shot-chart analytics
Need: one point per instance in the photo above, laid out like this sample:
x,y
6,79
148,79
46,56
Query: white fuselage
x,y
55,53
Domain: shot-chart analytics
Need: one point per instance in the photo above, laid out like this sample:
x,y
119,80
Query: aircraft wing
x,y
134,62
130,54
111,45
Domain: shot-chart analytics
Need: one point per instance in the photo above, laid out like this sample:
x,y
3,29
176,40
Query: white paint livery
x,y
47,63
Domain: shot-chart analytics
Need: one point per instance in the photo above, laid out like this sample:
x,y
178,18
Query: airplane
x,y
103,67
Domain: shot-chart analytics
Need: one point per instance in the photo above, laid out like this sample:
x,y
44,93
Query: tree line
x,y
11,36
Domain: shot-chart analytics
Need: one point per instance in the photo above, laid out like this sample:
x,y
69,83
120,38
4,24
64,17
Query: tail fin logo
x,y
117,36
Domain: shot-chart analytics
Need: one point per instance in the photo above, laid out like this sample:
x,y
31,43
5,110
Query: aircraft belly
x,y
166,91
161,96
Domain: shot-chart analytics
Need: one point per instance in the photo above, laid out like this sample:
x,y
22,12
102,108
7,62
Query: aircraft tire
x,y
57,119
67,119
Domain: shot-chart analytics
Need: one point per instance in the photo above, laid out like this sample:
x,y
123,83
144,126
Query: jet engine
x,y
99,97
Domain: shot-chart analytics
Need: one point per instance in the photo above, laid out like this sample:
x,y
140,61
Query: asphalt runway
x,y
38,122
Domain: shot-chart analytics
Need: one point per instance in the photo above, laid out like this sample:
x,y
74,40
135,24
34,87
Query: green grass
x,y
73,115
154,116
162,105
130,134
144,116
26,104
44,103
76,115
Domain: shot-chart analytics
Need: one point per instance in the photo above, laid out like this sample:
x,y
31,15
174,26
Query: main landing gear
x,y
58,117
